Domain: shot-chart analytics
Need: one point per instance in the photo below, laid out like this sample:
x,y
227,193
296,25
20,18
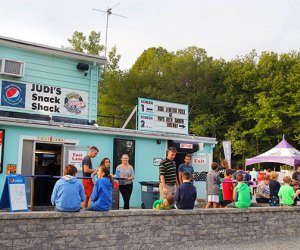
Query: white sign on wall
x,y
76,157
44,99
161,116
157,161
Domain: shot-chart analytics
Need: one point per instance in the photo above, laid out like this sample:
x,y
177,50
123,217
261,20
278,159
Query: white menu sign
x,y
162,116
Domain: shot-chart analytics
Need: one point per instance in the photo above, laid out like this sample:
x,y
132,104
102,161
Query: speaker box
x,y
83,66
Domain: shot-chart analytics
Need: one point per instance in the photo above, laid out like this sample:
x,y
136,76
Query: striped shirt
x,y
167,168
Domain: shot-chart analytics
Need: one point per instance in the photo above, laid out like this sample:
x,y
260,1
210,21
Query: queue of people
x,y
70,195
182,197
225,187
235,189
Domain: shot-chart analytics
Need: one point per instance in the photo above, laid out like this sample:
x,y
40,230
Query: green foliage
x,y
79,43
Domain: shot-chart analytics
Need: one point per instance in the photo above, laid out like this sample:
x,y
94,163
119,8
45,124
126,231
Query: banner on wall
x,y
2,131
227,151
44,99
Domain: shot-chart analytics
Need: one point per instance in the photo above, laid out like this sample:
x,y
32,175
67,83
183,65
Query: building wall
x,y
146,151
52,70
147,229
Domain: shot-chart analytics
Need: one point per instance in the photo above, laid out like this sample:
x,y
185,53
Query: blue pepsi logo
x,y
13,94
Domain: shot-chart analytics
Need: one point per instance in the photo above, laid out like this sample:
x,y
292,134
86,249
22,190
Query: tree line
x,y
251,100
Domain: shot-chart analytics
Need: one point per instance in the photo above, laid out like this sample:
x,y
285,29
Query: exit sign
x,y
200,161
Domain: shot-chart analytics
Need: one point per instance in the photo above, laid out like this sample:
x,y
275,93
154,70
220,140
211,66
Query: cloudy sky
x,y
224,28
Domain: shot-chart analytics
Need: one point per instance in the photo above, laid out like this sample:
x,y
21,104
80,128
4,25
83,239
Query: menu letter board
x,y
161,116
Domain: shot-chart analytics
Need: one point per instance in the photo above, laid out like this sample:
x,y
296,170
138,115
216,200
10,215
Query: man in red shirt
x,y
87,170
228,187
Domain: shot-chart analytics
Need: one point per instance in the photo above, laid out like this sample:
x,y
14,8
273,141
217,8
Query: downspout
x,y
94,69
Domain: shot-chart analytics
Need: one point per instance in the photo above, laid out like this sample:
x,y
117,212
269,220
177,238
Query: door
x,y
47,168
28,165
74,154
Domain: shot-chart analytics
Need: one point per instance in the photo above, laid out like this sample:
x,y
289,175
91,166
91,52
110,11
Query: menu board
x,y
122,146
161,116
14,194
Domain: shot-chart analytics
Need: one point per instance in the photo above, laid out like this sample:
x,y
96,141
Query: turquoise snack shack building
x,y
48,114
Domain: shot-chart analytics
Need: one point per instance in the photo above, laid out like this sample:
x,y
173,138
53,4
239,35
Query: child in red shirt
x,y
228,187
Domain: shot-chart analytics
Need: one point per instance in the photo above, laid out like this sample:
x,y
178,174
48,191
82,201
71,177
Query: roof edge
x,y
51,50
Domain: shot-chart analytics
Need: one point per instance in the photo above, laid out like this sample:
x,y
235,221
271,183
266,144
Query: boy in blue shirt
x,y
186,193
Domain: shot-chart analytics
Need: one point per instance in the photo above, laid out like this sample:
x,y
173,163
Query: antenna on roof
x,y
108,12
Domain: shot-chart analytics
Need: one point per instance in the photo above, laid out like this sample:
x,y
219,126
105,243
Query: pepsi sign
x,y
13,94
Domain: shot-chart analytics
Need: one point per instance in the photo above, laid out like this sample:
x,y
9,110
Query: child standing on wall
x,y
212,185
102,192
186,193
241,194
165,204
221,195
274,186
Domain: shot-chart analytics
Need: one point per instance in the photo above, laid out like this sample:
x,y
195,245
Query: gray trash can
x,y
150,193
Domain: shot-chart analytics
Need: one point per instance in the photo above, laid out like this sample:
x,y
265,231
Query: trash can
x,y
150,193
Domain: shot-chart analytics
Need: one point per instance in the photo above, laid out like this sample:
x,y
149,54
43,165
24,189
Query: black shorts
x,y
225,203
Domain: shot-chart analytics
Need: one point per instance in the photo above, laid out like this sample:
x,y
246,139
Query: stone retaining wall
x,y
145,229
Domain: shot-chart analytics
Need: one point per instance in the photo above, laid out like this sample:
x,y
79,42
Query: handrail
x,y
54,176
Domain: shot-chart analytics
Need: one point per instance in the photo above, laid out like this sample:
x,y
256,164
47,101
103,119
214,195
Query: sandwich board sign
x,y
159,116
14,194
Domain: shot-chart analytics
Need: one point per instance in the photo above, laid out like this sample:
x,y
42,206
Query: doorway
x,y
47,161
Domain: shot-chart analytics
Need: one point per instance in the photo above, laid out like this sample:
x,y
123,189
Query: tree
x,y
92,46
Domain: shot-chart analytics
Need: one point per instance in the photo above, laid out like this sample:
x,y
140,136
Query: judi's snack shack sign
x,y
44,99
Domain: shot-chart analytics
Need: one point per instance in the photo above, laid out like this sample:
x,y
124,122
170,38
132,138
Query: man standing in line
x,y
186,167
167,174
246,176
87,170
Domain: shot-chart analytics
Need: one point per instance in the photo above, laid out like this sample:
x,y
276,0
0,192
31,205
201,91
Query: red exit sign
x,y
199,161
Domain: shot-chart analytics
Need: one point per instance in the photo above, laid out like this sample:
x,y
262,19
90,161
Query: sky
x,y
224,28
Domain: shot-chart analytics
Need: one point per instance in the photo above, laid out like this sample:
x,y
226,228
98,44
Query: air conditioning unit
x,y
11,68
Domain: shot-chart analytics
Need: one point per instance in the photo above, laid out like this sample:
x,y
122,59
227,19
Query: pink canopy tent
x,y
282,153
